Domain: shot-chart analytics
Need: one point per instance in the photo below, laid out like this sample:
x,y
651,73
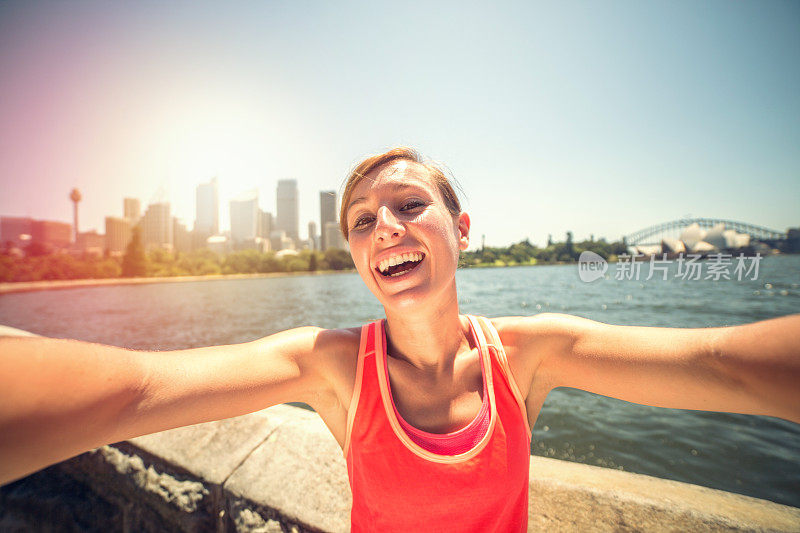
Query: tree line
x,y
136,262
525,253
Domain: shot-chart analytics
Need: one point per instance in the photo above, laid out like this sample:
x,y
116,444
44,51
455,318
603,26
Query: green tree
x,y
242,262
338,259
488,256
269,263
295,263
522,251
134,262
569,248
37,249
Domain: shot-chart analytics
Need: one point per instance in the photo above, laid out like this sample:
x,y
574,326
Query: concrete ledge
x,y
575,497
298,470
281,470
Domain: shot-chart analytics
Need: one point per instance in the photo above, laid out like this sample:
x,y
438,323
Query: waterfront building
x,y
699,240
244,213
218,244
118,234
313,240
51,233
327,213
207,209
20,232
265,224
181,236
333,235
90,242
157,226
288,214
16,231
278,240
132,210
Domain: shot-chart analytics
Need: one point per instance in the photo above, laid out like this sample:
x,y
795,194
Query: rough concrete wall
x,y
280,470
250,473
574,497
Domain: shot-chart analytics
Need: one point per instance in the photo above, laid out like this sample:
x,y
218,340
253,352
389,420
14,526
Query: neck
x,y
429,337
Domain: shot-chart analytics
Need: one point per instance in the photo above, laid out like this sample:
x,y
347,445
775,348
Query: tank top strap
x,y
366,348
495,346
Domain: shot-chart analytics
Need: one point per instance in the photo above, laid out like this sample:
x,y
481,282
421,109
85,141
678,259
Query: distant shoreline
x,y
9,287
60,284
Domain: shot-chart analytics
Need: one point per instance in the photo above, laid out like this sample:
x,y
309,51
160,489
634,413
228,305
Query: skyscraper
x,y
327,213
157,226
51,233
133,210
245,217
265,224
181,238
91,242
333,235
288,216
16,230
313,240
118,234
207,209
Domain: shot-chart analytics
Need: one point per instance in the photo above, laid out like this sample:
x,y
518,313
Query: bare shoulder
x,y
531,341
335,347
538,332
333,358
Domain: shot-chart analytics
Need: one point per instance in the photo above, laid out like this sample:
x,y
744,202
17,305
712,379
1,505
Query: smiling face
x,y
404,241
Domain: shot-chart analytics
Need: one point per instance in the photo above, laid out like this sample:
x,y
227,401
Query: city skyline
x,y
160,228
599,118
328,214
207,224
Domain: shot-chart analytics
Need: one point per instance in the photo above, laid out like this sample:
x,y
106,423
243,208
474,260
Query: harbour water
x,y
752,455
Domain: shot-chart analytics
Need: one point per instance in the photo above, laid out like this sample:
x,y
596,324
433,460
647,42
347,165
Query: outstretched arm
x,y
752,368
59,398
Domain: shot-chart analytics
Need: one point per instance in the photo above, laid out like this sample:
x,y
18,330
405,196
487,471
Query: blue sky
x,y
596,117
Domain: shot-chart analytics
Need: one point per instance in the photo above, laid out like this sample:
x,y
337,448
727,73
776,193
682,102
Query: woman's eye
x,y
411,204
361,222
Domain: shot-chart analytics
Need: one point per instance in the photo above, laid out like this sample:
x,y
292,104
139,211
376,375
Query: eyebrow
x,y
396,187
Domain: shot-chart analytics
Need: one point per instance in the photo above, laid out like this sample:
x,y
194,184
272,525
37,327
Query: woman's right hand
x,y
59,398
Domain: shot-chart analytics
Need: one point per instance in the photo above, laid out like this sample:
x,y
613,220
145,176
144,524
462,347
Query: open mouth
x,y
397,266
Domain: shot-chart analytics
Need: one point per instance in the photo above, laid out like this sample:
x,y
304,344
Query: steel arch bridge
x,y
644,236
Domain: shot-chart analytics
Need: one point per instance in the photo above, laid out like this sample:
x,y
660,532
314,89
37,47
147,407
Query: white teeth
x,y
384,265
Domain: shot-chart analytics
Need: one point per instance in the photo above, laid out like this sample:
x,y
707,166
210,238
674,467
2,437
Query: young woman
x,y
432,408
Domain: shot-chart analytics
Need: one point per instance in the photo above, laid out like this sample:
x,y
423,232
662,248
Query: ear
x,y
463,230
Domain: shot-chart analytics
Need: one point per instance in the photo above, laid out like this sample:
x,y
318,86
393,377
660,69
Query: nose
x,y
387,226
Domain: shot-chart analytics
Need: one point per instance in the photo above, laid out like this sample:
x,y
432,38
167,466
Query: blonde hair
x,y
437,173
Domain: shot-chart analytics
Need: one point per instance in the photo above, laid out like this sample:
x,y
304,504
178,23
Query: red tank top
x,y
398,485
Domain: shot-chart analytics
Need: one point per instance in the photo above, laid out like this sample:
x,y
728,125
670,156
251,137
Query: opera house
x,y
696,240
